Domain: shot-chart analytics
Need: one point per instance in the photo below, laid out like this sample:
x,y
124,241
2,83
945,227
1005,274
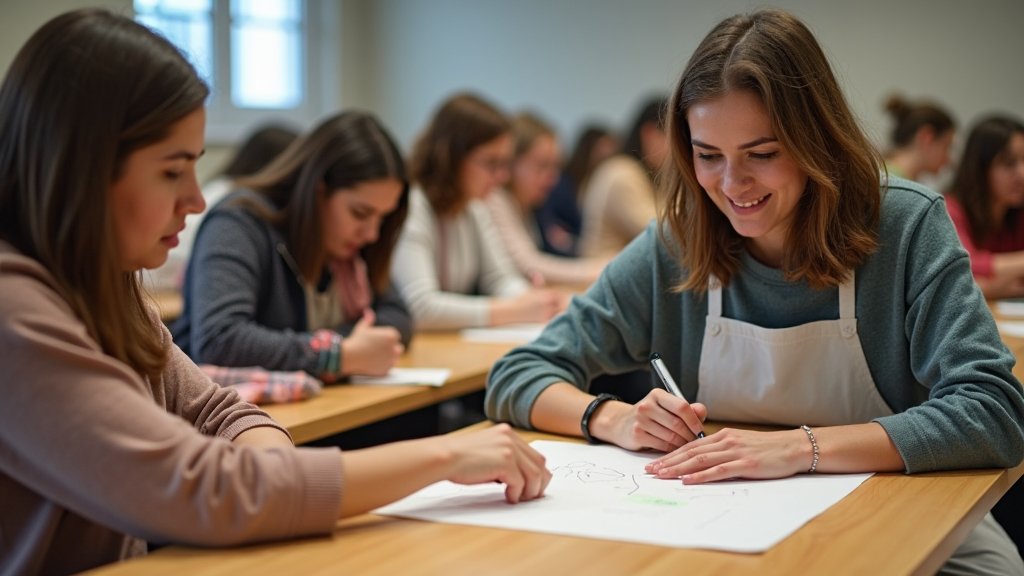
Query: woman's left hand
x,y
732,453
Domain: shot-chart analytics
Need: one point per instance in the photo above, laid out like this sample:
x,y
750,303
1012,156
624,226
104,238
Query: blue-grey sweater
x,y
930,341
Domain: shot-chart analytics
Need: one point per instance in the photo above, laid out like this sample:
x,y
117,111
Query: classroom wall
x,y
580,60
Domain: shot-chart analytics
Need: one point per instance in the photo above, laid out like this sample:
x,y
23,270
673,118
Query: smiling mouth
x,y
750,204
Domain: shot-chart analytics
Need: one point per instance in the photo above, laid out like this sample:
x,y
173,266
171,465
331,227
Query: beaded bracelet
x,y
814,447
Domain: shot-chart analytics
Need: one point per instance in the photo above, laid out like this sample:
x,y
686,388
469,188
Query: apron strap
x,y
847,298
714,297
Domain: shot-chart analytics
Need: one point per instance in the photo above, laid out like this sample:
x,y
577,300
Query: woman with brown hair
x,y
986,203
291,272
534,172
109,435
921,137
787,284
449,265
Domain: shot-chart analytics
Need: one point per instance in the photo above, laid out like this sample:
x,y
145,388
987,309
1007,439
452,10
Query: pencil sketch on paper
x,y
604,492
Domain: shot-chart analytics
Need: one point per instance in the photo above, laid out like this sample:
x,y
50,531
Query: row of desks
x,y
892,524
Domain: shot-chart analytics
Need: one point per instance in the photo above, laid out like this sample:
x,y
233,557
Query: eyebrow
x,y
751,144
184,155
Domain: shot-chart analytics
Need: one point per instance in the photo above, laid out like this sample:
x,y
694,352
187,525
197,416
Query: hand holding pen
x,y
672,387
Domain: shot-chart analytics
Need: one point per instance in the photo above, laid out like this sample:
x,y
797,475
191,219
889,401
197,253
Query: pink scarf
x,y
353,286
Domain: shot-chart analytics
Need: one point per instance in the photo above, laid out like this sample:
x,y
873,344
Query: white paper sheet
x,y
405,376
1011,328
603,492
1011,308
511,333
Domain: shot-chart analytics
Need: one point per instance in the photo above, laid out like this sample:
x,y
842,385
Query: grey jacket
x,y
244,302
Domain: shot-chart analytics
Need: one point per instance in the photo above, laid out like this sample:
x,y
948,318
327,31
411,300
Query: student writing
x,y
790,284
109,435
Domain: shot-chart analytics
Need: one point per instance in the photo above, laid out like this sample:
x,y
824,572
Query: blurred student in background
x,y
291,271
256,151
986,203
534,171
620,198
450,265
921,137
560,218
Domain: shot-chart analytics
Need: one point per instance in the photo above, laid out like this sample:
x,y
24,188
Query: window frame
x,y
227,123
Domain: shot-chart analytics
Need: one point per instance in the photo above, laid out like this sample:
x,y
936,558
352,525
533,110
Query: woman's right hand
x,y
370,350
660,422
496,454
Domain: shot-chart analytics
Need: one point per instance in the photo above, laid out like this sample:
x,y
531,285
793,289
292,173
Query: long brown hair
x,y
986,142
462,123
87,90
772,54
341,152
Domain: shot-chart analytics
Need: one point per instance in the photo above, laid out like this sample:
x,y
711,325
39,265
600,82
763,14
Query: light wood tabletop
x,y
343,407
892,524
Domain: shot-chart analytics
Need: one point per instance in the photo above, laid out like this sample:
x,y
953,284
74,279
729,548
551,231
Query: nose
x,y
734,178
193,201
371,231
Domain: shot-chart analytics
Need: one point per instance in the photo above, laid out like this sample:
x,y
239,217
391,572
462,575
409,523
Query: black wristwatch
x,y
585,422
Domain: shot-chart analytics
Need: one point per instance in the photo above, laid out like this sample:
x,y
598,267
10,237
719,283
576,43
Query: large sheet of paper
x,y
510,333
603,492
406,376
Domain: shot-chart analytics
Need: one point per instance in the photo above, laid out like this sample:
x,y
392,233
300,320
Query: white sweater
x,y
471,258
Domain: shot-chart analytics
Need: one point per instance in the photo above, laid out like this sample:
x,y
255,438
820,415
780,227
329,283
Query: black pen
x,y
668,381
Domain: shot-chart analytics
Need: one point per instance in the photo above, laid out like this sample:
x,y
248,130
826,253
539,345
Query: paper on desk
x,y
1011,328
603,492
1012,307
405,376
512,333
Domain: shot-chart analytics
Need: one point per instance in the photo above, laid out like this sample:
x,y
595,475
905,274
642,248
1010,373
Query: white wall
x,y
576,60
579,59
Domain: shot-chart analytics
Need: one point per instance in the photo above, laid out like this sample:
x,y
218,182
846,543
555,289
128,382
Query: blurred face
x,y
536,172
936,152
655,145
1006,174
352,216
156,190
486,167
746,171
603,149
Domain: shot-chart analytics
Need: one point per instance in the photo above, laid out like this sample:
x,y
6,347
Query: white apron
x,y
811,374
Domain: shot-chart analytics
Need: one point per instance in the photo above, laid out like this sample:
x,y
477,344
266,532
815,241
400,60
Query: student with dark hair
x,y
534,171
921,137
256,151
109,435
291,272
620,199
788,283
986,202
559,218
450,265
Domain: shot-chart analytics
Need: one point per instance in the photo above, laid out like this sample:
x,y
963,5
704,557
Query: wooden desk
x,y
892,524
345,406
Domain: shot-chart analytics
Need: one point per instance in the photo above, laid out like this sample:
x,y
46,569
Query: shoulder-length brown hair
x,y
986,143
340,153
87,90
772,54
462,123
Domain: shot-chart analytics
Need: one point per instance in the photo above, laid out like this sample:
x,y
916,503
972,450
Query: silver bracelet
x,y
814,447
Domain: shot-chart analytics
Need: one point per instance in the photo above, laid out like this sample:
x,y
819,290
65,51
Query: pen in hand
x,y
668,381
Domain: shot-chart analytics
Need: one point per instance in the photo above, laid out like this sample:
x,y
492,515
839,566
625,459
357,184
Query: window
x,y
256,55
